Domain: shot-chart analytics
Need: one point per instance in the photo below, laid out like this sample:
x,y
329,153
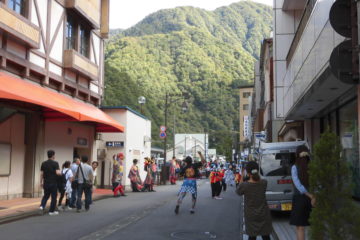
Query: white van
x,y
275,161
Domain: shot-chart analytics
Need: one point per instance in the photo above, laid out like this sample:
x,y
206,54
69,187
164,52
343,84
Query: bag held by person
x,y
87,183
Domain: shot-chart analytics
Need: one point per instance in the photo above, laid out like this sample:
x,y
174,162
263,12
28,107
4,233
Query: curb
x,y
32,213
274,235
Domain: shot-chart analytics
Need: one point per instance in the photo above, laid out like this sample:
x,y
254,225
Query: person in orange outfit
x,y
215,181
237,177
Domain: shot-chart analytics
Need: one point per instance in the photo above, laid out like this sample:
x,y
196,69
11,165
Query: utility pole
x,y
163,168
174,135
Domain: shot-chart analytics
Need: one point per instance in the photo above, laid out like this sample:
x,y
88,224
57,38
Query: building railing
x,y
300,30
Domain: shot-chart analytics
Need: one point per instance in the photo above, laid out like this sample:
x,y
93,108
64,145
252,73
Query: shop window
x,y
246,107
18,6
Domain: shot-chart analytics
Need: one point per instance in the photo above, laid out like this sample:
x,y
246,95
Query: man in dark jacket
x,y
48,179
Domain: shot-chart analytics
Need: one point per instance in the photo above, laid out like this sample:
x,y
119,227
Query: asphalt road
x,y
145,216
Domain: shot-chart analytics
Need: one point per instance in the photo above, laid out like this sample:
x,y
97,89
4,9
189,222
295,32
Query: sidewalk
x,y
18,208
283,230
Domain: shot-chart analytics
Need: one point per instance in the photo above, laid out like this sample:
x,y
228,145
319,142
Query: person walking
x,y
116,178
215,180
63,181
237,177
67,176
229,176
303,200
190,172
134,176
85,177
153,173
222,175
49,173
172,174
256,211
74,184
148,179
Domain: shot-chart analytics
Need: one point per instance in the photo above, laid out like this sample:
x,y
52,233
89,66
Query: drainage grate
x,y
187,235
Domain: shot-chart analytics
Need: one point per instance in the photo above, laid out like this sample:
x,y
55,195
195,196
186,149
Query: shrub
x,y
335,216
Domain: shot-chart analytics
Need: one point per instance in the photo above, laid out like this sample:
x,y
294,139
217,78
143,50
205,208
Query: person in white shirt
x,y
68,174
85,178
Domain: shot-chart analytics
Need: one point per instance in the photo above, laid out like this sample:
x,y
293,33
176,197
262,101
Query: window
x,y
18,6
70,34
84,42
246,107
77,36
246,94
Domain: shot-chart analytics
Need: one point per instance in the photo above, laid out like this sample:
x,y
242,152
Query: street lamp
x,y
141,101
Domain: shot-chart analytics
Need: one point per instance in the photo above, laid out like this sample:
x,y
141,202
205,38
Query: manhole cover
x,y
193,235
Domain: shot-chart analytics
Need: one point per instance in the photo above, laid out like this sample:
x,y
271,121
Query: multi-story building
x,y
51,83
305,87
245,94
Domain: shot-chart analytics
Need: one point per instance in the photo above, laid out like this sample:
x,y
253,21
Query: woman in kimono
x,y
134,177
148,180
173,171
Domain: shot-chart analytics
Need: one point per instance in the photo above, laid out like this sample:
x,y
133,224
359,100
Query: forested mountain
x,y
207,54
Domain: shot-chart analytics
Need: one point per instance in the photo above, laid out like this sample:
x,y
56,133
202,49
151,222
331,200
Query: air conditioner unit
x,y
101,153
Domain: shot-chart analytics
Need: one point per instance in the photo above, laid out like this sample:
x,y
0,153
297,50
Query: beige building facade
x,y
245,94
51,84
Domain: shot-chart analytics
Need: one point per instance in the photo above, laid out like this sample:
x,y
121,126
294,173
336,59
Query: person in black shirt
x,y
48,179
190,172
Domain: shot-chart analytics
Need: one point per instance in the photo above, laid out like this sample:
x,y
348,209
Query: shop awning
x,y
57,107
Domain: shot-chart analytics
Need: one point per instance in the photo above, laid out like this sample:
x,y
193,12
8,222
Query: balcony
x,y
19,27
89,9
73,60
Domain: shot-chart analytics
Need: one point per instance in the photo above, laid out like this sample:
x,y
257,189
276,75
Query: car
x,y
275,164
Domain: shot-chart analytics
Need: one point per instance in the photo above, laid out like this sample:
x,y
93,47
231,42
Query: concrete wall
x,y
12,131
285,25
62,138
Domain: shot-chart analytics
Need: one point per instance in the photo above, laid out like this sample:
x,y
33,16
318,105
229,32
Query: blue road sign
x,y
162,135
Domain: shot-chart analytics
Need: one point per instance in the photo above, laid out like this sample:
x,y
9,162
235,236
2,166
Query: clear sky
x,y
126,13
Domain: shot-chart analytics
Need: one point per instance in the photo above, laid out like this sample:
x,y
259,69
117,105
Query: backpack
x,y
63,179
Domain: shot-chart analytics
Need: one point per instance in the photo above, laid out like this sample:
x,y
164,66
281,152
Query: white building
x,y
134,143
189,144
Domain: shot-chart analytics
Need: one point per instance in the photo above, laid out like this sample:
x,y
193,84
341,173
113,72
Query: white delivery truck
x,y
275,161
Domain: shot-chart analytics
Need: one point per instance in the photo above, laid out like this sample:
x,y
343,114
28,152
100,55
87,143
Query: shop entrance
x,y
79,152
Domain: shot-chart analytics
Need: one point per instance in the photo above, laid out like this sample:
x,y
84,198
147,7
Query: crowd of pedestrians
x,y
72,181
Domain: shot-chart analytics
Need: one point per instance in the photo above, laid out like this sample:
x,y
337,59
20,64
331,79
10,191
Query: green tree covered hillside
x,y
207,54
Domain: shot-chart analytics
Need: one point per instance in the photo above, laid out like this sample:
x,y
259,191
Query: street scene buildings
x,y
300,95
53,60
